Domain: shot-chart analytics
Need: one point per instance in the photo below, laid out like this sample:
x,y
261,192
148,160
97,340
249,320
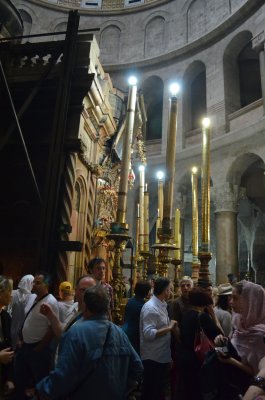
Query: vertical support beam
x,y
49,231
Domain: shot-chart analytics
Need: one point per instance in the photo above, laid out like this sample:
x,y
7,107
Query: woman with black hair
x,y
190,365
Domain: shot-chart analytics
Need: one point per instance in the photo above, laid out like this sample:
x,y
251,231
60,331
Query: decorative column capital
x,y
227,196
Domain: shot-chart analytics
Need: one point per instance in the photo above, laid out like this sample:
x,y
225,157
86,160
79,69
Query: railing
x,y
246,116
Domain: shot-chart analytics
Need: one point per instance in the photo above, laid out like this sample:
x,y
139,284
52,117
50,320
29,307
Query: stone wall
x,y
170,42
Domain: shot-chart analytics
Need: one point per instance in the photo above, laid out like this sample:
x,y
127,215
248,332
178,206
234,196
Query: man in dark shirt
x,y
181,305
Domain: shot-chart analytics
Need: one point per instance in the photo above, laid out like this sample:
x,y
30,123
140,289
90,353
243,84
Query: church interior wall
x,y
169,44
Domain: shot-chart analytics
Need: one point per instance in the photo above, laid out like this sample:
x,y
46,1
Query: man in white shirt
x,y
83,283
33,358
155,337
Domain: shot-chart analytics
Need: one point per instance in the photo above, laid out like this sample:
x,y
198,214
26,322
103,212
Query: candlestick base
x,y
146,255
119,234
165,234
163,256
204,275
195,271
176,264
139,267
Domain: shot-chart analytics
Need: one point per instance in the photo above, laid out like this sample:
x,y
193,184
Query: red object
x,y
202,345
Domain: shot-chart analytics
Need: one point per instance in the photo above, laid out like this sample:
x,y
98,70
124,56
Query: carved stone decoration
x,y
226,197
107,198
107,205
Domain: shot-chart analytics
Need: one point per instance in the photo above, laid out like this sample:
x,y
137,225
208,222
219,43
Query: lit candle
x,y
158,223
205,184
177,226
170,157
141,205
146,220
160,176
177,237
194,188
178,251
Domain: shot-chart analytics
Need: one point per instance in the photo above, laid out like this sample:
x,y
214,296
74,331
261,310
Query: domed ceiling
x,y
105,5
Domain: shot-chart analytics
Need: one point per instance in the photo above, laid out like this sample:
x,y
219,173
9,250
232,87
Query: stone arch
x,y
60,27
110,43
154,37
27,24
152,89
240,165
240,86
78,223
196,19
247,171
194,101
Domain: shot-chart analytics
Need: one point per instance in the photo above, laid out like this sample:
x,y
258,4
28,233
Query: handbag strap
x,y
20,334
97,363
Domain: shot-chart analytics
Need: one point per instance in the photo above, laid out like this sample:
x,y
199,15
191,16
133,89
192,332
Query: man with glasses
x,y
83,283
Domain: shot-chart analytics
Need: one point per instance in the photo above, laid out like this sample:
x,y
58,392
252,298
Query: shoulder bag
x,y
202,344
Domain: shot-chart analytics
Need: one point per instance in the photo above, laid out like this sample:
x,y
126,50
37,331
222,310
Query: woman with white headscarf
x,y
22,298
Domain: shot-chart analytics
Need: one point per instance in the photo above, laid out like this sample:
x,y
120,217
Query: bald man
x,y
59,328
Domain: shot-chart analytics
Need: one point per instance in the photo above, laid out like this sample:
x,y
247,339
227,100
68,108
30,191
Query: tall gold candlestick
x,y
160,194
205,184
170,164
205,255
195,220
137,233
126,155
177,235
137,250
141,205
194,188
119,228
146,220
166,232
158,223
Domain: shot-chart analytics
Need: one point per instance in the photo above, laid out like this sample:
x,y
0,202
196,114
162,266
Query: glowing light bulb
x,y
160,175
174,88
206,122
132,80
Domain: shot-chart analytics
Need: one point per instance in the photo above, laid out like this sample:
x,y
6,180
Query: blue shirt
x,y
80,347
154,316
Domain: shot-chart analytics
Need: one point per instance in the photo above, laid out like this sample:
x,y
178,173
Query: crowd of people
x,y
199,343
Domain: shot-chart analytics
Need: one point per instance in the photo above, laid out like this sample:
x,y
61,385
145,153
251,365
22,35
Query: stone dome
x,y
104,6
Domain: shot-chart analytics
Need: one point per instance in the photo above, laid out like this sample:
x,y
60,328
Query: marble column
x,y
226,201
